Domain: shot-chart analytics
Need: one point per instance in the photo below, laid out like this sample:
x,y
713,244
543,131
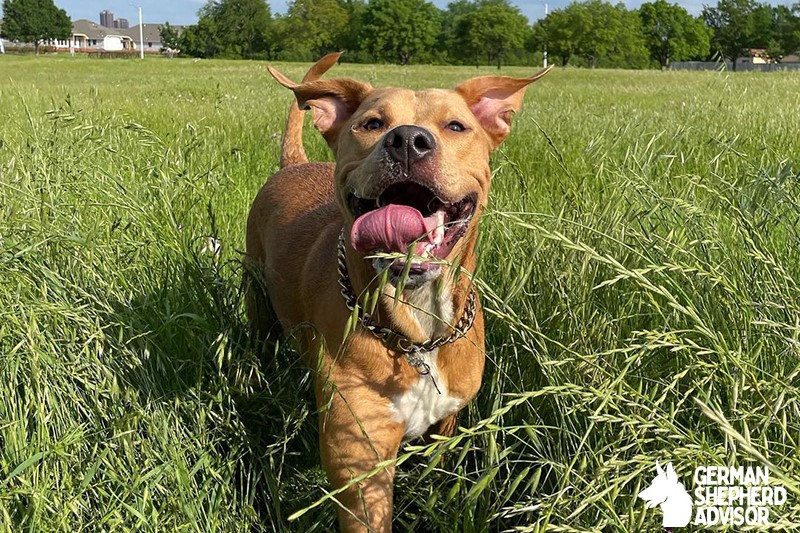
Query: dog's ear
x,y
493,99
332,101
659,470
671,476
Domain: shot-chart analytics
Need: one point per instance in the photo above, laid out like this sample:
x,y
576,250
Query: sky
x,y
185,11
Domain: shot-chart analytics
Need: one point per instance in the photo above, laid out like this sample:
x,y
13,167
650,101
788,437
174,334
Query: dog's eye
x,y
455,125
373,124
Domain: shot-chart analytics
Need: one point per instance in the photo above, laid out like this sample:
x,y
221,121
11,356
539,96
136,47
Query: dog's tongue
x,y
390,229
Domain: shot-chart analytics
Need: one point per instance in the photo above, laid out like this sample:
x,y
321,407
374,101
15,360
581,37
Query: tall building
x,y
121,24
107,18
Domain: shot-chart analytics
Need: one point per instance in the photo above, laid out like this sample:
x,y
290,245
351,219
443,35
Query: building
x,y
86,35
152,36
90,37
791,59
107,19
754,56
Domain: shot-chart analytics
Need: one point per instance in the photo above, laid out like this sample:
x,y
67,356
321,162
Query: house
x,y
152,36
754,56
791,58
88,36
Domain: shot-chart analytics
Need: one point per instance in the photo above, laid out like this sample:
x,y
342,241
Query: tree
x,y
785,31
493,28
558,32
628,49
599,32
764,26
671,33
733,25
229,28
400,30
169,37
448,41
34,21
313,28
790,31
596,30
242,27
612,34
201,39
349,38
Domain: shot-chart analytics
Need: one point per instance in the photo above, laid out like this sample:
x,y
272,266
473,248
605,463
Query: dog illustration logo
x,y
668,493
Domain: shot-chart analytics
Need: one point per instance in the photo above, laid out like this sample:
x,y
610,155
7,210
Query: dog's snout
x,y
409,144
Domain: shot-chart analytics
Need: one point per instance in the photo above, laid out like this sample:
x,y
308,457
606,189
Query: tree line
x,y
593,33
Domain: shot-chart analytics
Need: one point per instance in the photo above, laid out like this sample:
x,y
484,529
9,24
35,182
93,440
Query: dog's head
x,y
412,167
663,487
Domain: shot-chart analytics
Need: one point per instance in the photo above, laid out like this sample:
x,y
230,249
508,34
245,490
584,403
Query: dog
x,y
668,493
368,263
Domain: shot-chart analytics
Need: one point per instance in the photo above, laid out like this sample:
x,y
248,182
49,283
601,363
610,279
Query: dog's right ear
x,y
332,101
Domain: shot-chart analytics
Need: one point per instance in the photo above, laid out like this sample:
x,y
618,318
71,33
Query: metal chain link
x,y
391,338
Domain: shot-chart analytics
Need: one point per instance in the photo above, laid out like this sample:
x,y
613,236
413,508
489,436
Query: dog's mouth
x,y
409,218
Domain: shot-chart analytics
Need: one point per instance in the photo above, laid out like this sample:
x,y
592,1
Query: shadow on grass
x,y
194,346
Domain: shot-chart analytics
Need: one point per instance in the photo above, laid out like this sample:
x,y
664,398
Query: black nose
x,y
409,144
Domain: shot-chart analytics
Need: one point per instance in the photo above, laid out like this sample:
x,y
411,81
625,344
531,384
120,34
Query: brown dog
x,y
390,231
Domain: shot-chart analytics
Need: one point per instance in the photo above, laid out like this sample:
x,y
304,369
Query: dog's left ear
x,y
332,101
493,100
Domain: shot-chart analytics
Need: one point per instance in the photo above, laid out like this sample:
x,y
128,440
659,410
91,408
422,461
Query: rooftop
x,y
92,30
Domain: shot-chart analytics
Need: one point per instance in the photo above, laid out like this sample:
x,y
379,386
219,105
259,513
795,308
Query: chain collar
x,y
393,339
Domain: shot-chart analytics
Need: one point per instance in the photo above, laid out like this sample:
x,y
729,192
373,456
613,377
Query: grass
x,y
639,272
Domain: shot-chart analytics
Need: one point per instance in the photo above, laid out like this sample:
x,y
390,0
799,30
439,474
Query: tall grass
x,y
639,267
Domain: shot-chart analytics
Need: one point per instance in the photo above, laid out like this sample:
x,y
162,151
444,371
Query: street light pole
x,y
545,41
141,37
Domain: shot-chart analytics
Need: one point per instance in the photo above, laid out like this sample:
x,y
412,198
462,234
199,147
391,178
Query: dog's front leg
x,y
357,432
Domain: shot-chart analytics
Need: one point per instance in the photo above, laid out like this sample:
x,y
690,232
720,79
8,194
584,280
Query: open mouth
x,y
409,217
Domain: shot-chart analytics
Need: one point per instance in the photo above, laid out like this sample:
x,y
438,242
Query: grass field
x,y
640,270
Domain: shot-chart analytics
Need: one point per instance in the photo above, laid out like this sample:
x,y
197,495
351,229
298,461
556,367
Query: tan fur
x,y
292,234
292,152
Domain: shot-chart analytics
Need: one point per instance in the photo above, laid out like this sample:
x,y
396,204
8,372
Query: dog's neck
x,y
428,311
430,307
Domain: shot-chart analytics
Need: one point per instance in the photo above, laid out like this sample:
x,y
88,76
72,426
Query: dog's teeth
x,y
438,232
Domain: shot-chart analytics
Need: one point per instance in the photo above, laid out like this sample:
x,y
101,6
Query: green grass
x,y
639,271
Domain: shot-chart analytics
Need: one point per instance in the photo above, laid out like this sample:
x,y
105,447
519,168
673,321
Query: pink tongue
x,y
389,229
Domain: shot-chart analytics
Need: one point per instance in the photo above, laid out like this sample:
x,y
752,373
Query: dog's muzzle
x,y
409,218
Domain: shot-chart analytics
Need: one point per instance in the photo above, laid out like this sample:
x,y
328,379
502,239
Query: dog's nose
x,y
409,144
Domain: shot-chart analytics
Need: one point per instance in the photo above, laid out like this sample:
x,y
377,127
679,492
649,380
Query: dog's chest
x,y
422,405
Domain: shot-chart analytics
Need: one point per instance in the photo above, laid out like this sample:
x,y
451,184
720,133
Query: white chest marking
x,y
422,405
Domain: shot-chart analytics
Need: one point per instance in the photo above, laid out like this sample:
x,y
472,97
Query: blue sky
x,y
185,11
